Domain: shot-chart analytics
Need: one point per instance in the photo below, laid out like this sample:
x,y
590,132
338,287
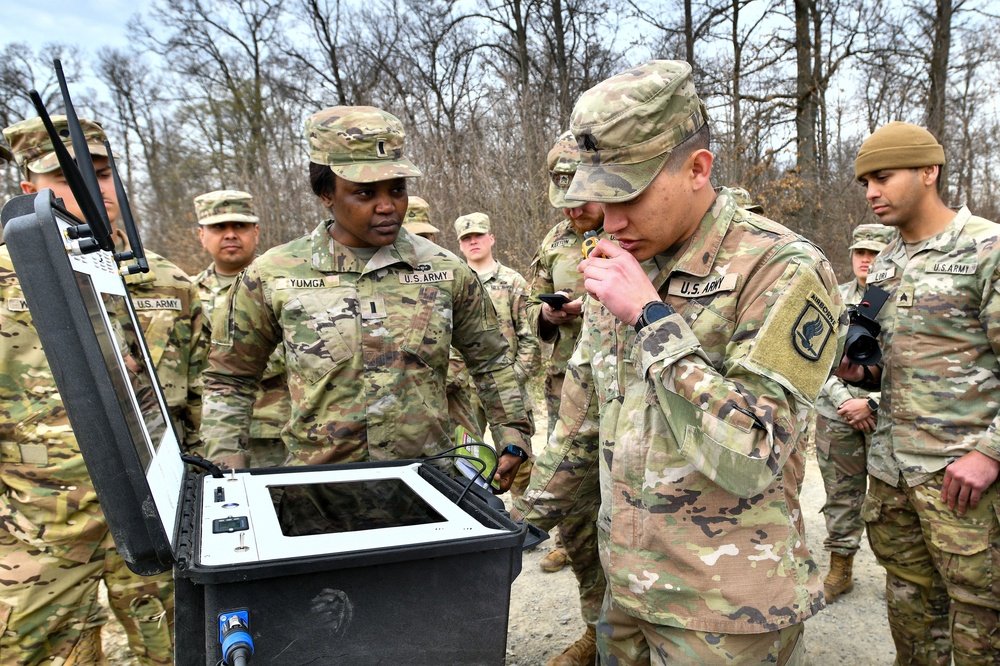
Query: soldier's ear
x,y
29,187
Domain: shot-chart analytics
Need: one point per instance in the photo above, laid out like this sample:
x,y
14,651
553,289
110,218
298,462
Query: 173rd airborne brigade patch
x,y
797,344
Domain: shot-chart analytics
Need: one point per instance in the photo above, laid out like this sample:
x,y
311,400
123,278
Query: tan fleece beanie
x,y
898,146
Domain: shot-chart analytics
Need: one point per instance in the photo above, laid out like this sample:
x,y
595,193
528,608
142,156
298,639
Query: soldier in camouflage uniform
x,y
554,270
367,313
933,506
509,292
845,419
709,334
462,401
229,231
54,543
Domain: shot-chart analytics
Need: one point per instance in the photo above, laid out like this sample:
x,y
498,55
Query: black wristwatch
x,y
652,311
872,405
515,451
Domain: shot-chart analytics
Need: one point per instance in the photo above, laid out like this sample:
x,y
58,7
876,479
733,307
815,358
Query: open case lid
x,y
92,340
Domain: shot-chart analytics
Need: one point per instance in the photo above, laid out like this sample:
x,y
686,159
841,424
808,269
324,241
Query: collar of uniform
x,y
944,242
490,274
329,256
697,256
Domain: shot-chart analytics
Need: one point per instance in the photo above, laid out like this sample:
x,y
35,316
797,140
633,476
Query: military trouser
x,y
267,451
625,640
942,579
47,603
841,452
578,531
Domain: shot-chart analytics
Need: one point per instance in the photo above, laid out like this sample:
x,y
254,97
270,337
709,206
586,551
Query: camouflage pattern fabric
x,y
473,223
366,351
562,161
628,641
54,542
627,126
33,150
172,320
464,407
942,588
938,389
361,144
938,403
842,454
554,269
271,407
695,526
225,206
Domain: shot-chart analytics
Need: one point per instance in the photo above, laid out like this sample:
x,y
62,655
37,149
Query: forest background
x,y
212,94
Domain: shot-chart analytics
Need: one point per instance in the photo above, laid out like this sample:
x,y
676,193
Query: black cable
x,y
206,465
448,453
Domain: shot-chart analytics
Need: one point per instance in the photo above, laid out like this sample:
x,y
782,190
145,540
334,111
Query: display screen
x,y
349,506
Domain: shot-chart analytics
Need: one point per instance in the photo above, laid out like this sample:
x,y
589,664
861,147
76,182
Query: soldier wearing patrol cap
x,y
229,231
845,419
509,292
418,221
553,270
367,313
710,333
933,504
54,542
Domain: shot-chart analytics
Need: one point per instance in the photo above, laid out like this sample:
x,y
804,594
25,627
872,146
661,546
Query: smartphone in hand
x,y
555,301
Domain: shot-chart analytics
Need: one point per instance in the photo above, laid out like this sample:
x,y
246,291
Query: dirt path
x,y
545,617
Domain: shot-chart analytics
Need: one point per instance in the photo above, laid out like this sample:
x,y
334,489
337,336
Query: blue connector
x,y
234,635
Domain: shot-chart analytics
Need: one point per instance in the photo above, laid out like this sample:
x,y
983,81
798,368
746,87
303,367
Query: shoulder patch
x,y
797,344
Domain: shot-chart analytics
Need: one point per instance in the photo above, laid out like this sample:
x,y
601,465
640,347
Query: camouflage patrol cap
x,y
361,144
473,223
871,237
562,161
32,147
628,125
224,206
745,201
418,217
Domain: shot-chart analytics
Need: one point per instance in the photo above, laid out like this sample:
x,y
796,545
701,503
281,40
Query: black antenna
x,y
100,225
135,243
73,179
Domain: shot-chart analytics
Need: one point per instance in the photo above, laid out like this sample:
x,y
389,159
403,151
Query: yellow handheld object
x,y
589,243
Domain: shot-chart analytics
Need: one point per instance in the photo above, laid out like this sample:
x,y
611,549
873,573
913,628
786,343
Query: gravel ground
x,y
545,618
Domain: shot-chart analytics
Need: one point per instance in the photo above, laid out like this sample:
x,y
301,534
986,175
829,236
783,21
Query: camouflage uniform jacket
x,y
940,340
554,269
172,319
46,496
509,292
696,417
836,391
270,411
366,348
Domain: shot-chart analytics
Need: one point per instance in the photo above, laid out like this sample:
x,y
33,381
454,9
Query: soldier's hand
x,y
506,471
617,281
564,315
966,479
233,461
858,414
849,372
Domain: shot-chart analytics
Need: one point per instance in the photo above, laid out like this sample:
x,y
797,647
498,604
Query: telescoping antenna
x,y
141,265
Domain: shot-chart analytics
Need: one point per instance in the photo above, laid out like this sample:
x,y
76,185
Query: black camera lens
x,y
861,346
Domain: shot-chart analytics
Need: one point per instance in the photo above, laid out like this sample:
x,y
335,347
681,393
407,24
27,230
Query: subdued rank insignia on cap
x,y
563,181
380,147
589,143
812,329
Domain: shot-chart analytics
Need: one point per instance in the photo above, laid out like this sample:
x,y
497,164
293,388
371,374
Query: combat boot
x,y
581,653
88,650
554,561
840,579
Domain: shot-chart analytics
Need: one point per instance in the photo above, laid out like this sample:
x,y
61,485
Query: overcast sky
x,y
86,23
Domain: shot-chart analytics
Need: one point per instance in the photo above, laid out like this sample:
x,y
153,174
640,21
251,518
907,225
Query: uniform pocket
x,y
319,327
871,508
966,550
